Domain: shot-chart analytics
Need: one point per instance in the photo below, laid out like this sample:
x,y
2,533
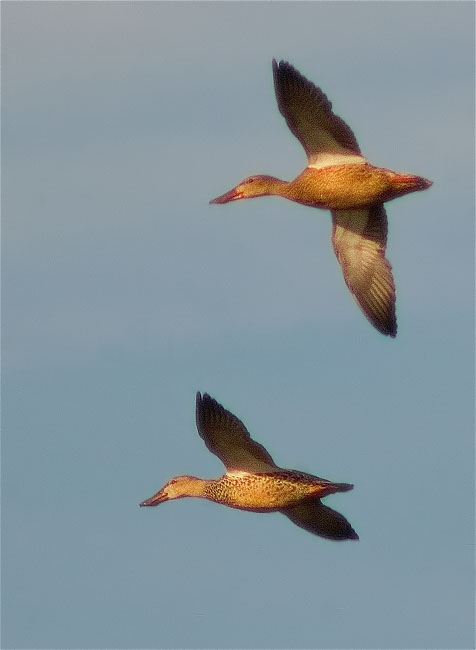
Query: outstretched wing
x,y
226,437
359,238
318,519
325,137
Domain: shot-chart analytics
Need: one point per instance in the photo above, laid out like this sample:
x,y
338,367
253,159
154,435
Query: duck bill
x,y
232,195
160,497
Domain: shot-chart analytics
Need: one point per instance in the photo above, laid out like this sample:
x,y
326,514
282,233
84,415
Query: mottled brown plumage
x,y
253,481
340,179
269,491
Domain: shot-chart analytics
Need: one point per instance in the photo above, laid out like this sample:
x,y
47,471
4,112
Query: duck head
x,y
176,488
249,188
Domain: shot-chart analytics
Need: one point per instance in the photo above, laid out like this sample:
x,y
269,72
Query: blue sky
x,y
125,292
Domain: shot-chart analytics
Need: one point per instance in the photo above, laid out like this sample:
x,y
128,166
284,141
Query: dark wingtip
x,y
202,403
198,406
346,533
393,323
281,63
278,66
393,329
387,327
205,397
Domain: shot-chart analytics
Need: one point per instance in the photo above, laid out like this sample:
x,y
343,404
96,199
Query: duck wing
x,y
359,237
321,520
227,437
326,138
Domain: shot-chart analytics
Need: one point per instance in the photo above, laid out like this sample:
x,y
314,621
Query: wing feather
x,y
320,520
308,114
359,238
227,437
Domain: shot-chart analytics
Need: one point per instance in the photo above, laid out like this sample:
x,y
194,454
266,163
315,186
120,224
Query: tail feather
x,y
344,487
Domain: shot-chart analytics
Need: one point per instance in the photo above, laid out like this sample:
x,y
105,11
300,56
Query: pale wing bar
x,y
359,238
227,437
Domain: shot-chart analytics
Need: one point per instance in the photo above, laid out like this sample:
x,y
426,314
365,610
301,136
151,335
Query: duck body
x,y
338,178
334,187
256,491
253,481
267,492
349,186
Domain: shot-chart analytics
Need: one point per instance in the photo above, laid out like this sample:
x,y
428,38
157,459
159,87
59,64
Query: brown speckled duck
x,y
338,178
253,481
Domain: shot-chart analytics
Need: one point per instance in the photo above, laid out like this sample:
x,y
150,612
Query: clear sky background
x,y
125,292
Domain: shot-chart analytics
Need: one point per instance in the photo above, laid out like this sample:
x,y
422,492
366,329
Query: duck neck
x,y
197,487
277,187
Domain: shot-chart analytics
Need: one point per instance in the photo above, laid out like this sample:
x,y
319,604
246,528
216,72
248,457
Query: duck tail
x,y
344,487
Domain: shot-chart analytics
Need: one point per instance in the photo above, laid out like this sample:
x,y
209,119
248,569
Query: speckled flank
x,y
271,491
347,186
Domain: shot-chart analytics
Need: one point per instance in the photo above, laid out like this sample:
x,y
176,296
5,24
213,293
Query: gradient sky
x,y
125,292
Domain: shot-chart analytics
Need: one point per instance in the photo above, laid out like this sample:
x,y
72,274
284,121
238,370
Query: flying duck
x,y
338,178
253,481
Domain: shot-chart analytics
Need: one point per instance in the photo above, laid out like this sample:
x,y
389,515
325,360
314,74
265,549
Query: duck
x,y
253,481
340,179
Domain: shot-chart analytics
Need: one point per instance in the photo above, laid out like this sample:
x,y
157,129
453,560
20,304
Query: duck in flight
x,y
338,178
253,481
